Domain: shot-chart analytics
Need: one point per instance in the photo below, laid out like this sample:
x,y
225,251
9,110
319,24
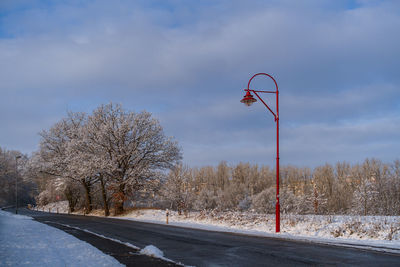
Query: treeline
x,y
12,176
370,188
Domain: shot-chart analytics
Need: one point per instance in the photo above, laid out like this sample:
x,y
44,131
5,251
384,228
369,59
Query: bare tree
x,y
132,149
9,174
60,154
178,188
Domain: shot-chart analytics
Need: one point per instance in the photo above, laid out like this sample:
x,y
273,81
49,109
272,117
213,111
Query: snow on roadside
x,y
25,242
61,206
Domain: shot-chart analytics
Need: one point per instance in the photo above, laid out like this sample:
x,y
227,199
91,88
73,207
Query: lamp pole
x,y
16,183
248,100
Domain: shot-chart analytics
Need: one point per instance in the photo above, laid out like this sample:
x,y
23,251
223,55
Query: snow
x,y
152,251
62,207
155,252
25,242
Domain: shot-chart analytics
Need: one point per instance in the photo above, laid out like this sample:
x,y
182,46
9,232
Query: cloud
x,y
336,65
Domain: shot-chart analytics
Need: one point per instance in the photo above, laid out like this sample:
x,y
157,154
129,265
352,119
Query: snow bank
x,y
25,242
152,251
155,252
61,206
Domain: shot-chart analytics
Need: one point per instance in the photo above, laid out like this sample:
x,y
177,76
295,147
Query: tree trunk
x,y
69,194
315,201
119,198
118,208
88,197
104,195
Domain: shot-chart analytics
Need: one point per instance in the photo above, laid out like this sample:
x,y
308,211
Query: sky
x,y
337,65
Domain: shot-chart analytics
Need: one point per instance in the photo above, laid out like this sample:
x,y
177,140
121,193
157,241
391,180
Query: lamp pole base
x,y
278,217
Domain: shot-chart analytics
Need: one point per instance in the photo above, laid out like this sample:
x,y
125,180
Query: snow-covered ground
x,y
24,242
60,206
381,233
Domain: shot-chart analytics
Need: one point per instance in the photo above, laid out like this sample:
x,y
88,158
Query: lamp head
x,y
248,99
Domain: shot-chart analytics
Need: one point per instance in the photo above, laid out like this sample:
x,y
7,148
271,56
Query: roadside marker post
x,y
167,215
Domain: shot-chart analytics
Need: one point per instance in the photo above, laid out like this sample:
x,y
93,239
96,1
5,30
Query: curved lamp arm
x,y
276,116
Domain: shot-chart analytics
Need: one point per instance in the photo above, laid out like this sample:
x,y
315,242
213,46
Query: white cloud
x,y
188,63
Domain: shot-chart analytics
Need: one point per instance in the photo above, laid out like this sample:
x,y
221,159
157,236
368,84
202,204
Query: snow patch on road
x,y
152,251
155,252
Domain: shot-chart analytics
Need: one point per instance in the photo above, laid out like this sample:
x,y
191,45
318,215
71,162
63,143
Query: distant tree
x,y
324,180
364,197
178,188
233,197
71,191
392,189
60,154
9,174
222,175
265,201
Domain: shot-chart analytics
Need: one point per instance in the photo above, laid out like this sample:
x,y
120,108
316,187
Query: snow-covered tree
x,y
265,201
178,188
132,149
116,151
60,156
364,199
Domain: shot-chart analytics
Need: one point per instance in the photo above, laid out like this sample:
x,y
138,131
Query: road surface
x,y
206,248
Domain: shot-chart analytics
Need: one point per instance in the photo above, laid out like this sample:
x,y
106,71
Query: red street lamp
x,y
248,100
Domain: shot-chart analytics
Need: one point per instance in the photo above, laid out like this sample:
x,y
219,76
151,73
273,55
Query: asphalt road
x,y
205,248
